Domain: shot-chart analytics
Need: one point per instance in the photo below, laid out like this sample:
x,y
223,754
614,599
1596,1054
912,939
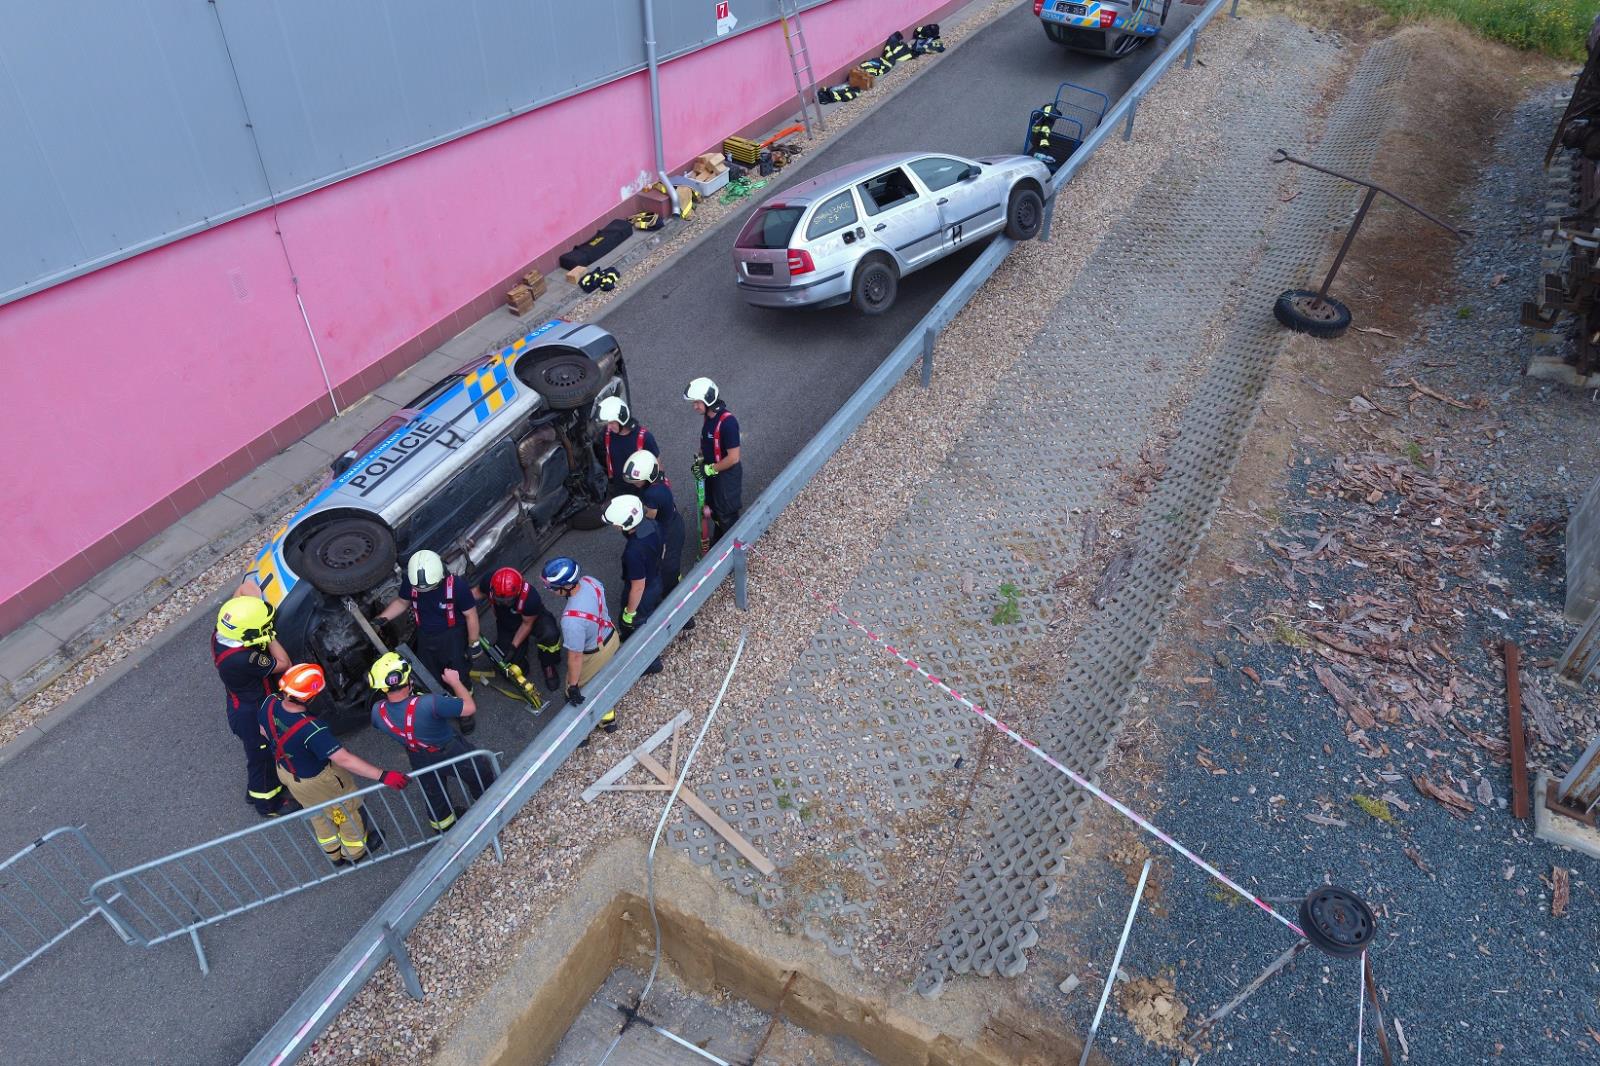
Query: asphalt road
x,y
149,766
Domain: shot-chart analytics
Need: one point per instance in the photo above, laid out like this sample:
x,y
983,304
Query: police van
x,y
495,461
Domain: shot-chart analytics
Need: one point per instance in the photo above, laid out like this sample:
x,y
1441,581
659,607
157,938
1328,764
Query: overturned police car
x,y
489,466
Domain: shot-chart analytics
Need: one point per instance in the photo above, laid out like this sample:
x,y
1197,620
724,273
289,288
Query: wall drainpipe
x,y
655,100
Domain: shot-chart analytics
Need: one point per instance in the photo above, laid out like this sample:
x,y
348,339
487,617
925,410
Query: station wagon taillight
x,y
800,262
1038,6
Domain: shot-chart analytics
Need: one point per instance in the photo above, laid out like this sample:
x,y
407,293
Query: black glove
x,y
574,695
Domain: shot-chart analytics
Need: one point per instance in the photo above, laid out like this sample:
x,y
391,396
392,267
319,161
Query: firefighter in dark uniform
x,y
641,565
719,455
247,657
621,437
423,725
522,623
446,614
317,769
643,474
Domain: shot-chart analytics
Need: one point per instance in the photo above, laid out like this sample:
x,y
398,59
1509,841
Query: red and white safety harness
x,y
602,619
406,732
449,603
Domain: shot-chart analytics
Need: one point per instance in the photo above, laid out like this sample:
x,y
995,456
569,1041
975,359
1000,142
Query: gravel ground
x,y
1343,680
820,539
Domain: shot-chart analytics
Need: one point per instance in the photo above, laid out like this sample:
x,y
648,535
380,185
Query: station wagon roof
x,y
833,180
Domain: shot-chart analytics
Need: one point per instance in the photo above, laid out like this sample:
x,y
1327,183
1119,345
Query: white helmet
x,y
625,512
702,390
613,409
424,569
640,467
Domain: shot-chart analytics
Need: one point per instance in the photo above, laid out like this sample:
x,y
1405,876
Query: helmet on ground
x,y
424,569
613,409
702,390
641,467
560,573
625,512
389,672
246,619
302,681
507,581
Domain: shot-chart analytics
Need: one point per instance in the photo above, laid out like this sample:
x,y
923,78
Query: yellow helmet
x,y
389,672
246,619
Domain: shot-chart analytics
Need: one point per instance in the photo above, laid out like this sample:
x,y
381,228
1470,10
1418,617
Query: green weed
x,y
1555,27
1010,609
1375,807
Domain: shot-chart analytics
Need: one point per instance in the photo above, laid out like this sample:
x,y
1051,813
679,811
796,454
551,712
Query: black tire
x,y
876,285
1024,214
1302,311
567,380
348,555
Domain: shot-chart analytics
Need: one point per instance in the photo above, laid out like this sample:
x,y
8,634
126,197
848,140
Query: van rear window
x,y
770,227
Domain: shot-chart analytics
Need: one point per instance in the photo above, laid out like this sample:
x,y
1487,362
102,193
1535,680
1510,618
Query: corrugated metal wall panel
x,y
125,128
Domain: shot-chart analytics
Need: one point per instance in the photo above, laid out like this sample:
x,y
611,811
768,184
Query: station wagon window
x,y
472,493
833,213
939,171
770,227
889,189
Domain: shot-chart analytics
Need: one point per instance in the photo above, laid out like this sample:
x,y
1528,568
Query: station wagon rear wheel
x,y
567,379
875,287
1024,214
348,555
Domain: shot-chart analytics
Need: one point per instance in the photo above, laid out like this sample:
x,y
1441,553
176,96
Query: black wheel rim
x,y
1315,308
1027,213
347,549
877,287
1337,922
565,375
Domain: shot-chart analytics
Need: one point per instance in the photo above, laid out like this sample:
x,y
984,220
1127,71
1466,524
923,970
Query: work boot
x,y
455,816
468,725
552,680
374,842
654,668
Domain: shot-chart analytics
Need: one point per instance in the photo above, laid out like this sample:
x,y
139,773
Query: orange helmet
x,y
302,681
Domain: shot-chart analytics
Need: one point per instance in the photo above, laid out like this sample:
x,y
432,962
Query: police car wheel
x,y
348,555
566,380
875,287
1024,214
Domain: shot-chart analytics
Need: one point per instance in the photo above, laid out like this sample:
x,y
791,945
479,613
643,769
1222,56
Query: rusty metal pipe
x,y
1519,740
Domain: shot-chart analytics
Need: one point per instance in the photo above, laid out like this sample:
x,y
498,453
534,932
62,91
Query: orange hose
x,y
781,134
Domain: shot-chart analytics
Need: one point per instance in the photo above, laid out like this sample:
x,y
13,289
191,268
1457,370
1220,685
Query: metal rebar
x,y
1519,740
1349,239
661,825
1116,963
1377,1009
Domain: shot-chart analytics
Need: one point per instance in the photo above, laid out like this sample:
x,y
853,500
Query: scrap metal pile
x,y
1570,281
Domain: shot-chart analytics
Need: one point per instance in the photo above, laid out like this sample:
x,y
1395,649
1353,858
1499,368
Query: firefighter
x,y
316,768
587,633
422,725
247,656
641,565
643,474
719,455
521,622
446,615
621,438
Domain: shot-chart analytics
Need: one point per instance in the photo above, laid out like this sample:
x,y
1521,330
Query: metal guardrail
x,y
383,934
181,893
44,894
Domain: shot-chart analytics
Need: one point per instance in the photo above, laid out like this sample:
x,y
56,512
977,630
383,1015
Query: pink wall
x,y
139,391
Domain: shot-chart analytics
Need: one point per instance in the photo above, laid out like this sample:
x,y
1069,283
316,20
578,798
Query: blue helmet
x,y
560,573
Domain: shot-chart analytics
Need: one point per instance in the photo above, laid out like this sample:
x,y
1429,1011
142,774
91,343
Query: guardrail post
x,y
1188,53
1049,214
741,579
402,961
928,337
1133,109
1233,12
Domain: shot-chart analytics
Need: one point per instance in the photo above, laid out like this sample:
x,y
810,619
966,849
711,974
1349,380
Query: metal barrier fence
x,y
383,934
182,893
44,894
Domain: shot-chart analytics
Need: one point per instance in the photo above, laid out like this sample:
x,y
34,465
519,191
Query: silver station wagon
x,y
851,234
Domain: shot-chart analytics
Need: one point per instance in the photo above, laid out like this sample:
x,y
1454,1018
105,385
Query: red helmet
x,y
302,682
507,581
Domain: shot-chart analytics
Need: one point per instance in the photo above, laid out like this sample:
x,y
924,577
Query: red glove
x,y
395,779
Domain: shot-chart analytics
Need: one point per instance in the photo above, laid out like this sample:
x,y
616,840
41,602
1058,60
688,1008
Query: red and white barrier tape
x,y
1032,748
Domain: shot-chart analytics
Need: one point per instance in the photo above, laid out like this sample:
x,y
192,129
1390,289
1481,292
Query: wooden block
x,y
576,273
535,283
